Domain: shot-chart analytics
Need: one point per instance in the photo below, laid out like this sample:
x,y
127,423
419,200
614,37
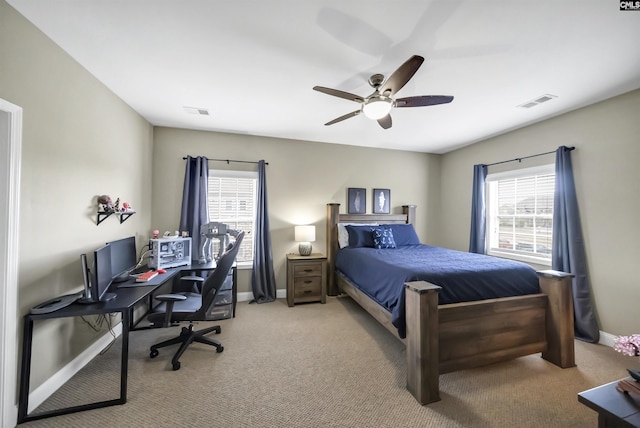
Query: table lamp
x,y
305,235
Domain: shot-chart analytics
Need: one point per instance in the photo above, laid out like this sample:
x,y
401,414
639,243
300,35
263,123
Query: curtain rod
x,y
229,160
526,157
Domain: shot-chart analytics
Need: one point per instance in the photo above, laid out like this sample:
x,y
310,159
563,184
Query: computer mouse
x,y
161,271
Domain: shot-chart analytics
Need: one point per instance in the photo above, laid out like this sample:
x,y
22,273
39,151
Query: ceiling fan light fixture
x,y
377,107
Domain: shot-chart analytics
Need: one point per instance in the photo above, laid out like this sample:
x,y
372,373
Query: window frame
x,y
492,207
226,173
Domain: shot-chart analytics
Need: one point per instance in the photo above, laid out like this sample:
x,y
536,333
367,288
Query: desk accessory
x,y
54,304
146,276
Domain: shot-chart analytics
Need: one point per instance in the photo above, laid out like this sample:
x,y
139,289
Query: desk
x,y
128,295
614,408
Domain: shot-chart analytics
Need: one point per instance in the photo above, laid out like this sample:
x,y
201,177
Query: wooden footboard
x,y
446,338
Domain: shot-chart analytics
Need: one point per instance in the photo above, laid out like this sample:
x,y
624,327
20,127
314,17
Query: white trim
x,y
606,339
10,198
247,296
232,173
51,385
522,172
520,257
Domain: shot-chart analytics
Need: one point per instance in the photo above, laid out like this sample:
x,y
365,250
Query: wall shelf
x,y
124,215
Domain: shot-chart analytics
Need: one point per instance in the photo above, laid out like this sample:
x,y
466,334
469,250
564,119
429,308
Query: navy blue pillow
x,y
403,234
383,238
360,236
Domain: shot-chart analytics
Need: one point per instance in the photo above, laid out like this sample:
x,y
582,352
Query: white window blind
x,y
232,201
520,214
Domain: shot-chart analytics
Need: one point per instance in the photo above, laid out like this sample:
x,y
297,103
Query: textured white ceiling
x,y
252,64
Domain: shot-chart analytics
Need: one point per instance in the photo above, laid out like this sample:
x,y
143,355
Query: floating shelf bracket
x,y
102,216
124,216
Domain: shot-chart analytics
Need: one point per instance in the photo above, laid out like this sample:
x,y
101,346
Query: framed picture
x,y
357,199
381,201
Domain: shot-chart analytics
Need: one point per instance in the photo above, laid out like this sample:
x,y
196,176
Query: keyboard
x,y
146,276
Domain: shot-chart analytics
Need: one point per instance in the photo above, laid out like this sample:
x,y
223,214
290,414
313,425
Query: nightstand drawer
x,y
308,287
307,269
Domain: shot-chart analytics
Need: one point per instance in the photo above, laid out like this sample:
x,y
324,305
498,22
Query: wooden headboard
x,y
334,217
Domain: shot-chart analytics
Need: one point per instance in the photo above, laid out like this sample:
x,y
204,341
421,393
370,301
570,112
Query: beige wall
x,y
302,177
606,170
79,140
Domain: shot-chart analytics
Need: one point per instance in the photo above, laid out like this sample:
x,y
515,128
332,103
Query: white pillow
x,y
343,233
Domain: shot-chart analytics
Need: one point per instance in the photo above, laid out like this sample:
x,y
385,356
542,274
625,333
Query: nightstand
x,y
306,278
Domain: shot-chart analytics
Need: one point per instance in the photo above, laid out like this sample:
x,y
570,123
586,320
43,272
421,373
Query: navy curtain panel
x,y
568,254
194,201
263,281
477,241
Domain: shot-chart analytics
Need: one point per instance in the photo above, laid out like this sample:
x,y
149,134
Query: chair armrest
x,y
170,300
194,278
170,297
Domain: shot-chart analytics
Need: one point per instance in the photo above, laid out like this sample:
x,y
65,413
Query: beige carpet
x,y
327,365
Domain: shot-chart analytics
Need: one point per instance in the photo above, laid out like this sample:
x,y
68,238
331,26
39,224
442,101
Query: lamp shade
x,y
305,233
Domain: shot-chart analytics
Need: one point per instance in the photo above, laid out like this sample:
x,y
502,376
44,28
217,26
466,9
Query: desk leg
x,y
25,373
124,365
25,370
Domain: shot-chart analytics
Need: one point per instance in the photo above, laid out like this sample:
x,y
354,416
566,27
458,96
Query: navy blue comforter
x,y
464,277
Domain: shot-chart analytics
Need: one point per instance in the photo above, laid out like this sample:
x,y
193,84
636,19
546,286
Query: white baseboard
x,y
247,296
51,385
606,339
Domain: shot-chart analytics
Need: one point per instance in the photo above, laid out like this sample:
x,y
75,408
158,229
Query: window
x,y
520,214
232,201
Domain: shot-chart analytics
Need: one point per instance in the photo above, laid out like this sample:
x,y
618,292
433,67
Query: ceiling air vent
x,y
541,99
197,110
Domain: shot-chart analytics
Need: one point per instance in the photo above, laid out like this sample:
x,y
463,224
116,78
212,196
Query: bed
x,y
442,338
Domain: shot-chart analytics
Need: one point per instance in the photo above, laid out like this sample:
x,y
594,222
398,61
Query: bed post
x,y
333,211
560,334
410,211
422,341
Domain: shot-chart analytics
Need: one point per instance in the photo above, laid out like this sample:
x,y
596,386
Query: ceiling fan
x,y
378,105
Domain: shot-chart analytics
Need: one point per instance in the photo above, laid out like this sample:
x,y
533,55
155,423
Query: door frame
x,y
10,163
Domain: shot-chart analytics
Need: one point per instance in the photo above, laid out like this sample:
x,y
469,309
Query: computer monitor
x,y
86,279
123,258
101,277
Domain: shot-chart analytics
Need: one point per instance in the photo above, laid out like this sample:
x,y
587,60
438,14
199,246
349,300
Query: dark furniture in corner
x,y
615,409
190,307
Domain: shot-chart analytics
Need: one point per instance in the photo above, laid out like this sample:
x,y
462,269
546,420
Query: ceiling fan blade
x,y
385,122
424,100
401,76
341,118
340,94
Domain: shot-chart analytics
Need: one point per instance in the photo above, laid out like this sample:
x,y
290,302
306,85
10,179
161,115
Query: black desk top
x,y
605,399
128,293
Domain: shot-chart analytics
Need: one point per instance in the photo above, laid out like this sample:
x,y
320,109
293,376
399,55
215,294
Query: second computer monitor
x,y
101,277
123,258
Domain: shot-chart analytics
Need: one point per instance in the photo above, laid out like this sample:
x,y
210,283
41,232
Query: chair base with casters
x,y
187,336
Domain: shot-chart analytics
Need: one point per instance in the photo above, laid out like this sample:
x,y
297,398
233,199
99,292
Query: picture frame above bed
x,y
357,200
381,201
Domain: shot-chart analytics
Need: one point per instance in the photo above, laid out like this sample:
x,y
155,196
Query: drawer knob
x,y
308,270
308,281
307,291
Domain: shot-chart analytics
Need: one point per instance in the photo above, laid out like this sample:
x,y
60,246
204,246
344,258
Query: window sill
x,y
244,265
520,257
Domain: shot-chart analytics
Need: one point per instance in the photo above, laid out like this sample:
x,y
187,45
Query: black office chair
x,y
192,307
